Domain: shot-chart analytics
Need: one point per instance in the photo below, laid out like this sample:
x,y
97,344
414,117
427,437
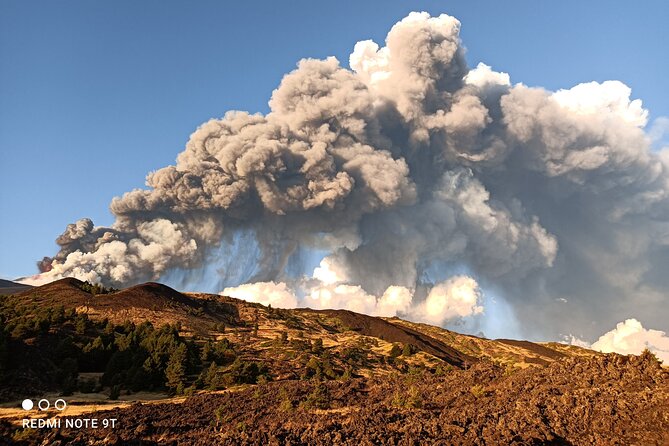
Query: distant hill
x,y
152,302
201,313
9,287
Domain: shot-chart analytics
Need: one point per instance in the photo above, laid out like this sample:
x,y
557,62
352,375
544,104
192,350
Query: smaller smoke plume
x,y
109,255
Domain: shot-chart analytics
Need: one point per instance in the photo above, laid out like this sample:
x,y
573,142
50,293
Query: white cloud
x,y
483,76
347,297
267,293
659,132
395,300
578,342
329,271
609,97
456,297
370,62
629,337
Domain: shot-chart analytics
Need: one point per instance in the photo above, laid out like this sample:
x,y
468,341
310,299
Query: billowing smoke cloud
x,y
631,338
405,171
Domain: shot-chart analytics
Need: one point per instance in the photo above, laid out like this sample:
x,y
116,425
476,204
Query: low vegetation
x,y
128,357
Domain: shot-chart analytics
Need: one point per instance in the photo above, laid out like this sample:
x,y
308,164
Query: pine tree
x,y
211,377
207,350
175,372
80,325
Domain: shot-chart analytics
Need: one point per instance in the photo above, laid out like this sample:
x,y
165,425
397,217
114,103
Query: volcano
x,y
303,376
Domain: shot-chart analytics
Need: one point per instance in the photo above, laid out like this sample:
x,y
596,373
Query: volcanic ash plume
x,y
409,172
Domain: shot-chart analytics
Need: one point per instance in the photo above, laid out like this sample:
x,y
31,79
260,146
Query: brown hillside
x,y
504,351
9,287
153,302
334,377
537,349
147,295
379,328
201,313
603,401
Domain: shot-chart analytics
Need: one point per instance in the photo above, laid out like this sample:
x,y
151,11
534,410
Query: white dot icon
x,y
27,404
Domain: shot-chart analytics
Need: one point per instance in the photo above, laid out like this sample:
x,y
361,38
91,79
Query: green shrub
x,y
318,398
286,405
411,399
212,377
175,371
408,350
245,372
395,351
23,435
414,398
222,414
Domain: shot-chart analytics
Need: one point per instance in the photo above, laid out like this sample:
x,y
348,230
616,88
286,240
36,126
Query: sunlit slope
x,y
503,351
254,325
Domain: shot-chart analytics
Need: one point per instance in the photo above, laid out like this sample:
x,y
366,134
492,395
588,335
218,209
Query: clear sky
x,y
95,94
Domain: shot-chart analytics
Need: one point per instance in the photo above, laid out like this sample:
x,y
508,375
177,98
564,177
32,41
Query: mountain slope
x,y
152,302
381,329
503,351
9,287
202,313
257,375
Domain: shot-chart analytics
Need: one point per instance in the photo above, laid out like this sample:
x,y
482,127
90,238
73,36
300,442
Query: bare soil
x,y
603,400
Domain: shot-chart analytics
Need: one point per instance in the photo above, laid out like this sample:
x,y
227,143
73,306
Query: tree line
x,y
131,357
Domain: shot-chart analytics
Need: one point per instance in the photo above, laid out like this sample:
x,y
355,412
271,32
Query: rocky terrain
x,y
337,377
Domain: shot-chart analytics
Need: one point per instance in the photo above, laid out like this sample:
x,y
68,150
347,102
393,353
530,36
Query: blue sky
x,y
93,95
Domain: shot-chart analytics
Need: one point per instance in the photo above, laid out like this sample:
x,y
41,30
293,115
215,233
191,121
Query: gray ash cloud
x,y
407,160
